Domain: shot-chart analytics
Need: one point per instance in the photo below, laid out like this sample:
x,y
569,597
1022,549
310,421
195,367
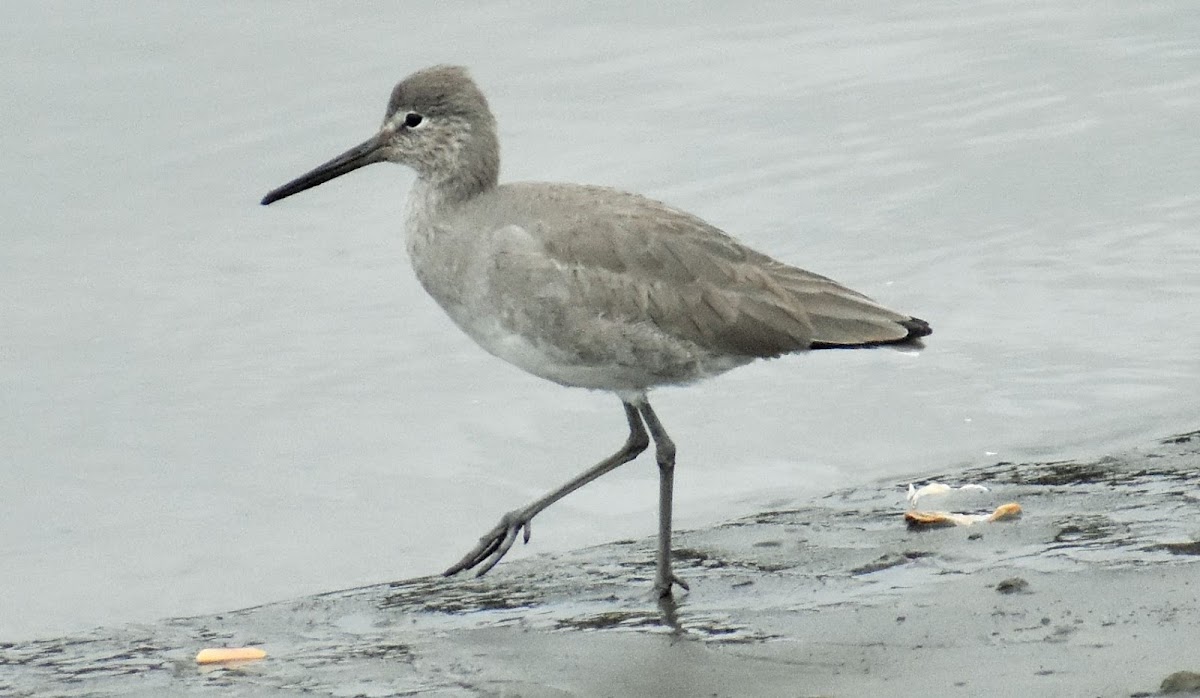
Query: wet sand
x,y
1092,592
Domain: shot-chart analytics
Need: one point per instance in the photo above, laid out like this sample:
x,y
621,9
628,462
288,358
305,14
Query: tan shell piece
x,y
216,655
1004,512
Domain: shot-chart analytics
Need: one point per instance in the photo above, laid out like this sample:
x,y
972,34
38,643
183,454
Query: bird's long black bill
x,y
366,153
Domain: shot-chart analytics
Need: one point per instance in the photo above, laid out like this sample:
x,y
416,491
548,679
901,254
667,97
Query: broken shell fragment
x,y
217,655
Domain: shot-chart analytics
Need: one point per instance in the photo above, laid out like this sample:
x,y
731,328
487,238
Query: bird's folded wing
x,y
641,261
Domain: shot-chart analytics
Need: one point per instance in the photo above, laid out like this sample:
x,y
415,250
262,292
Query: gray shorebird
x,y
590,287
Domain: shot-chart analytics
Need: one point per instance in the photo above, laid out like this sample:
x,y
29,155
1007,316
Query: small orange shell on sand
x,y
215,655
1006,511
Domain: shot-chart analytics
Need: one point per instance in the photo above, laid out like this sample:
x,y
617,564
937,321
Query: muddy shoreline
x,y
1092,592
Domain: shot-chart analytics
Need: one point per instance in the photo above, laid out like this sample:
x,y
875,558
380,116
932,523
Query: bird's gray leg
x,y
664,449
497,542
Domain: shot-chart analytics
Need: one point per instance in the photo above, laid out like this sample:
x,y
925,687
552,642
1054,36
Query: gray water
x,y
206,404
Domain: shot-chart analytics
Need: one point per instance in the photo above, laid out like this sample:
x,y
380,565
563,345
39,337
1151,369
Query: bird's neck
x,y
432,197
457,188
433,242
476,168
424,202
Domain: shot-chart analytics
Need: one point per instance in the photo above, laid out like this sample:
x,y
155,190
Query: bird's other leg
x,y
497,542
664,449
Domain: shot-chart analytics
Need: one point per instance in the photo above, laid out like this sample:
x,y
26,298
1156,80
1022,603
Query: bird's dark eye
x,y
412,119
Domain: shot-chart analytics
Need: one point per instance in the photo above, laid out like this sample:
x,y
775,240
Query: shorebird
x,y
588,286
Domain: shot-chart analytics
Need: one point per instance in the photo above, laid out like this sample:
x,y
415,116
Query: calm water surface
x,y
206,404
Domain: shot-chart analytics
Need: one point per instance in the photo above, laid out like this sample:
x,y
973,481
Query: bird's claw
x,y
494,545
664,588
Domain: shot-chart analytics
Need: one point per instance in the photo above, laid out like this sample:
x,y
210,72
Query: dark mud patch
x,y
889,560
1085,529
1013,585
436,595
1191,548
1181,438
